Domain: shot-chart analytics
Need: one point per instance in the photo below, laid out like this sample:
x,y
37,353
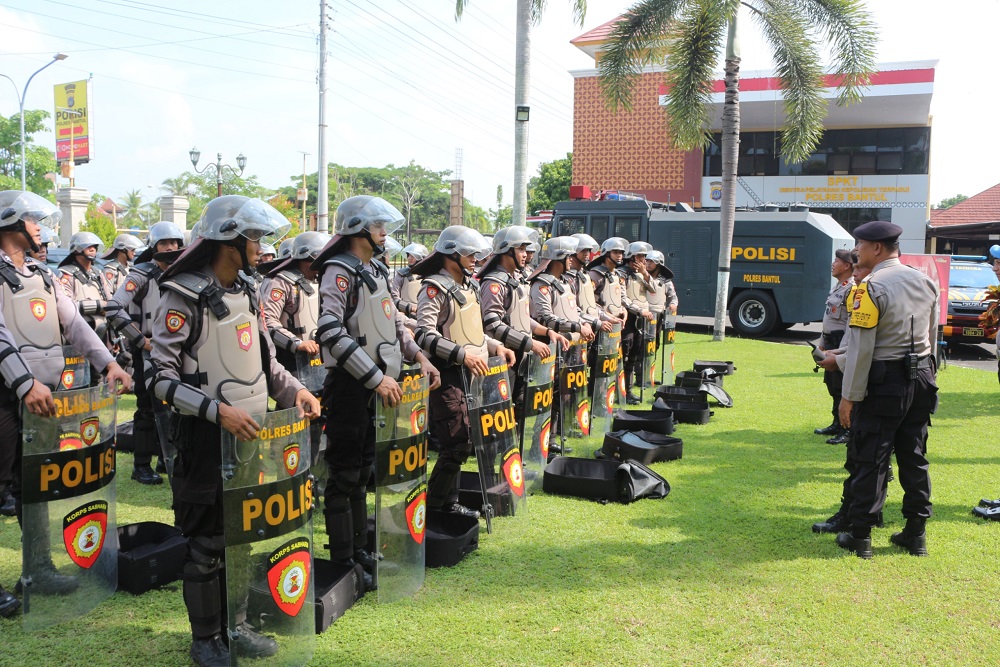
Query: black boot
x,y
835,524
862,546
145,475
367,561
832,429
7,506
249,644
44,578
913,537
210,652
840,439
366,578
461,510
8,604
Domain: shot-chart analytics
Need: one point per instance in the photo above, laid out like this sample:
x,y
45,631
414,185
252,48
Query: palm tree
x,y
179,186
529,12
133,208
687,37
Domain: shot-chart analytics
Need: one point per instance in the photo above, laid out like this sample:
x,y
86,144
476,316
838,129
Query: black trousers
x,y
631,350
144,435
449,424
893,418
834,381
350,457
10,438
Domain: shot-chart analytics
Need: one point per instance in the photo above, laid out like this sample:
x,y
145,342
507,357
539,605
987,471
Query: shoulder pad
x,y
380,268
546,278
441,281
146,268
189,285
346,260
291,276
603,270
405,271
74,271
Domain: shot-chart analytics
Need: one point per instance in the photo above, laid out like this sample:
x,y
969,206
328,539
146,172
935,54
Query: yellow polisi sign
x,y
72,122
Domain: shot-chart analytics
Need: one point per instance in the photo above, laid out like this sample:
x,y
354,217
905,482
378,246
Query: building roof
x,y
108,206
983,207
591,41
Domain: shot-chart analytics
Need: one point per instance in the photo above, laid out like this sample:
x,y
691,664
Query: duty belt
x,y
900,364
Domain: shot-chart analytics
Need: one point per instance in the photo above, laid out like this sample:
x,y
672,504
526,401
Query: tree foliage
x,y
98,222
39,160
948,202
551,185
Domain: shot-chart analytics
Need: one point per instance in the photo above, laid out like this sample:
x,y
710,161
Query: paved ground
x,y
982,356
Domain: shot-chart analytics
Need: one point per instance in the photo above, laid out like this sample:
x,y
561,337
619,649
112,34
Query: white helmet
x,y
418,250
267,249
83,240
231,216
285,249
17,206
512,237
614,243
586,242
357,214
558,248
638,248
463,241
307,245
165,230
123,242
656,257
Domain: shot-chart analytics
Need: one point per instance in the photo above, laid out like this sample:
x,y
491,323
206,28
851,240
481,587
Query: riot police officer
x,y
889,389
290,300
213,363
609,286
37,315
267,253
450,330
405,285
553,302
48,238
120,258
835,317
137,299
363,345
85,285
660,281
637,284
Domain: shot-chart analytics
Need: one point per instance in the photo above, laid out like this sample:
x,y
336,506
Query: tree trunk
x,y
522,83
730,160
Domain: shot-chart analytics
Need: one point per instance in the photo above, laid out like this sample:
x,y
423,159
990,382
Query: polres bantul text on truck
x,y
780,263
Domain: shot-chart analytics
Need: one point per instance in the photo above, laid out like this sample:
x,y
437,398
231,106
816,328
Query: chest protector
x,y
115,274
519,310
29,310
410,289
586,297
92,289
371,322
146,298
229,362
563,300
465,319
303,322
657,299
635,290
612,292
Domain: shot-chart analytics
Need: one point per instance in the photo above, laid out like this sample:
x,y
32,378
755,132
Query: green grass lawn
x,y
724,571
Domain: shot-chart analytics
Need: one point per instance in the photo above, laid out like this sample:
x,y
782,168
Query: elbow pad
x,y
506,334
90,307
15,372
438,346
345,351
282,340
182,397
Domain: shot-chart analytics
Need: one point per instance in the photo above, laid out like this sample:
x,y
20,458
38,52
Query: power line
x,y
179,13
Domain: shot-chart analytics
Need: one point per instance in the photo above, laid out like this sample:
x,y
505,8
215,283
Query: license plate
x,y
972,331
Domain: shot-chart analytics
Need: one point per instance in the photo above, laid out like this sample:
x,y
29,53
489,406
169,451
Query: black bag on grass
x,y
654,421
724,367
642,446
150,555
123,438
449,538
603,480
686,394
337,587
695,412
696,378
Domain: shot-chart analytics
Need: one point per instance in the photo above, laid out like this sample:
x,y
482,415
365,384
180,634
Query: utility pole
x,y
322,175
303,195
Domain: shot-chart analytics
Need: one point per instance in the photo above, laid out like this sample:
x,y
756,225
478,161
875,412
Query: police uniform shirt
x,y
114,274
880,320
543,297
74,289
75,329
493,297
124,297
593,317
172,324
434,310
599,280
671,292
279,301
836,315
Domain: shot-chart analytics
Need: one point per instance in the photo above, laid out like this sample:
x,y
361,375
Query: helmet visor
x,y
392,247
28,206
380,212
259,221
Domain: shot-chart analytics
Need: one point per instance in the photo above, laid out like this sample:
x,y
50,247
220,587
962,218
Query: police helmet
x,y
392,247
994,252
586,242
358,214
536,240
614,243
638,248
17,206
83,240
48,238
268,249
231,216
458,239
165,230
123,242
285,249
558,248
656,257
307,245
418,250
512,237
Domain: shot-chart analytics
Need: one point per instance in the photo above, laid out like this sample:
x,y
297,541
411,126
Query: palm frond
x,y
800,70
460,6
848,27
637,40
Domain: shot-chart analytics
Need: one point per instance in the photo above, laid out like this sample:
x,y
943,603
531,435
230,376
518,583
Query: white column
x,y
73,204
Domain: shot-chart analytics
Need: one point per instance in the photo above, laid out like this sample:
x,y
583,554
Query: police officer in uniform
x,y
889,389
213,362
37,315
553,302
637,285
120,258
660,280
42,254
290,300
267,253
85,284
609,286
450,330
405,285
835,317
137,298
363,345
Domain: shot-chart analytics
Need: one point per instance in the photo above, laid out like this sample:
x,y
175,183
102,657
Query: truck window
x,y
599,227
627,226
571,225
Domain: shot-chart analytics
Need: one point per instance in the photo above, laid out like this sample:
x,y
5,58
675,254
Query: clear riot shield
x,y
69,524
310,371
494,435
537,420
76,371
649,372
401,489
267,499
667,347
605,380
574,399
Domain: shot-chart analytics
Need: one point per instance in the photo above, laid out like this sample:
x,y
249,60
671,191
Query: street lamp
x,y
20,102
241,162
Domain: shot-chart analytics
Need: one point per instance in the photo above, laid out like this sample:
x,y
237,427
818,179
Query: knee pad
x,y
344,480
203,558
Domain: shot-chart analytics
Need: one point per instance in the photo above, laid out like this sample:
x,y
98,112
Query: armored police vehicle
x,y
780,262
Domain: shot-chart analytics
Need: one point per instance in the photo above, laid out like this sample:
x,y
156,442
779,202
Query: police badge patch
x,y
244,336
288,574
431,291
175,320
84,530
387,307
38,309
495,288
277,294
342,283
131,285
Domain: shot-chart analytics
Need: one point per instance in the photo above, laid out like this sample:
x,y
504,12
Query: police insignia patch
x,y
495,288
130,285
342,283
387,307
65,278
38,309
431,291
277,294
243,336
544,289
175,320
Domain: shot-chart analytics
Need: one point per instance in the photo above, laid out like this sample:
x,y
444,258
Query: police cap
x,y
845,255
878,230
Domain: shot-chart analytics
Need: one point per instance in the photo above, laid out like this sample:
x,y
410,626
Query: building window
x,y
884,150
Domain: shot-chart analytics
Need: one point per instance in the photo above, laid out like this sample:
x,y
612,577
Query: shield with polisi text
x,y
267,498
648,342
574,399
401,488
494,435
310,371
68,495
667,333
537,420
604,378
76,372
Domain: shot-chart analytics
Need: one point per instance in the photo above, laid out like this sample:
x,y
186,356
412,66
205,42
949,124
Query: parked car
x,y
969,278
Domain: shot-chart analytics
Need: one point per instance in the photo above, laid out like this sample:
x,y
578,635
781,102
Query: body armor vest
x,y
229,366
29,310
115,274
635,290
303,321
519,311
465,320
410,289
612,292
371,322
146,298
90,283
586,297
563,300
657,299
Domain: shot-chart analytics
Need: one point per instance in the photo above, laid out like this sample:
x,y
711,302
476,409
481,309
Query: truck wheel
x,y
753,314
